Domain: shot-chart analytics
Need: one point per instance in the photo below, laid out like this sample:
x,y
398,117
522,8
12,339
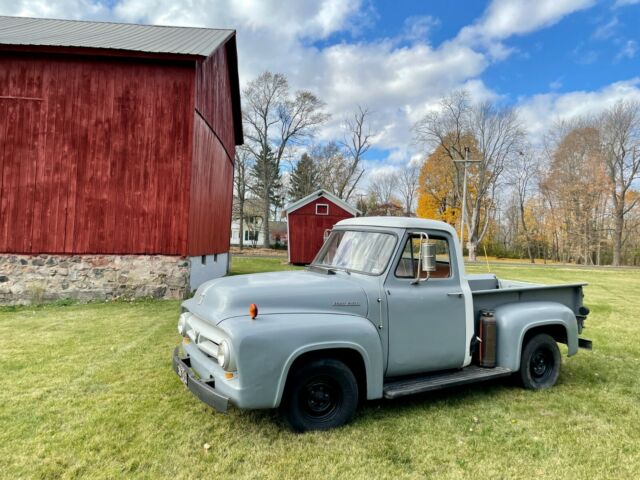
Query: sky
x,y
550,59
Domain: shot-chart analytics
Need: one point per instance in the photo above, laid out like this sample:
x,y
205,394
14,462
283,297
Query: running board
x,y
435,381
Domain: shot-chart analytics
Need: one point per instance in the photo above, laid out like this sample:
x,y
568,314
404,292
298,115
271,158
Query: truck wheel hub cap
x,y
320,398
540,363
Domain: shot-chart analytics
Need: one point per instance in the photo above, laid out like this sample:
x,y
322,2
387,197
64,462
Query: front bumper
x,y
205,391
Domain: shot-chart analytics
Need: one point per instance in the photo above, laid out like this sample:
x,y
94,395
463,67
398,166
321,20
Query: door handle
x,y
455,294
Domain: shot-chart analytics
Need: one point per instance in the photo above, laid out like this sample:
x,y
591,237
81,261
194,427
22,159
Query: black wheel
x,y
540,362
320,395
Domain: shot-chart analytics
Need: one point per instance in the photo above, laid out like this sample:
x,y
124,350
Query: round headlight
x,y
182,324
224,354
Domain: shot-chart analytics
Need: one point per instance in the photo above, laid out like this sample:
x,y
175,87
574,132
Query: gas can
x,y
488,339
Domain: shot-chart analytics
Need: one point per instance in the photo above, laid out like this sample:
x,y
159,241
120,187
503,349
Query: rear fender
x,y
514,320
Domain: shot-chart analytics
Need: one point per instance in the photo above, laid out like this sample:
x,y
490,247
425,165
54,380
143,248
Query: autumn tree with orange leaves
x,y
493,134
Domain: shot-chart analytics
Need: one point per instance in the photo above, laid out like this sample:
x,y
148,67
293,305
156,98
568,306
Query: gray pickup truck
x,y
385,310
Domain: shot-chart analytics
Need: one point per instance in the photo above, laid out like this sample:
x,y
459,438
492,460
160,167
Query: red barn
x,y
116,141
307,221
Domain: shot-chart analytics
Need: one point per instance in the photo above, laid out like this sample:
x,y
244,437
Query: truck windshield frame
x,y
380,248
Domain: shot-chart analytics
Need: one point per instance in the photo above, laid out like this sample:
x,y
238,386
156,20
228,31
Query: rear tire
x,y
320,395
540,362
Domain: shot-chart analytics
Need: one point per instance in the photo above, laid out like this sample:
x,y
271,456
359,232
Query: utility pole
x,y
466,161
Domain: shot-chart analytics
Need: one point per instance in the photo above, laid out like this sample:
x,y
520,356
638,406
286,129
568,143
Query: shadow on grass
x,y
382,408
453,397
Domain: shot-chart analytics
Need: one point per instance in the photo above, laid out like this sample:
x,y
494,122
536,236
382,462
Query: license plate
x,y
182,373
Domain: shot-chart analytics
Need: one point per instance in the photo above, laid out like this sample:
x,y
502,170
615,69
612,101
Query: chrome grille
x,y
205,336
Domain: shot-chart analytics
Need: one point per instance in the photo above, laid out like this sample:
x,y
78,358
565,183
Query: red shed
x,y
307,221
117,140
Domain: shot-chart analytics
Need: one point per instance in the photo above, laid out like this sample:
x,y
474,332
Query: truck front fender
x,y
268,346
514,320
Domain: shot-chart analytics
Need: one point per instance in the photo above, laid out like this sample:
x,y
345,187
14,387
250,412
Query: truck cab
x,y
385,310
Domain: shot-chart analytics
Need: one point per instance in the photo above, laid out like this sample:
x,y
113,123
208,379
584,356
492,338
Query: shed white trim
x,y
292,207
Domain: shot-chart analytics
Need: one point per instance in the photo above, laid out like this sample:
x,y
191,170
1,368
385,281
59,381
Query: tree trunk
x,y
618,227
526,232
530,252
266,243
241,230
471,248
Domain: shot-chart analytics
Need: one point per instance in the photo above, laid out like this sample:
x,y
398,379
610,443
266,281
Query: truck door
x,y
427,328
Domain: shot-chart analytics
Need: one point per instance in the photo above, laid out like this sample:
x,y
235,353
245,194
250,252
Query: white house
x,y
253,232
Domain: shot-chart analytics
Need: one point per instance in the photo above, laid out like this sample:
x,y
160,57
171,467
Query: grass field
x,y
88,392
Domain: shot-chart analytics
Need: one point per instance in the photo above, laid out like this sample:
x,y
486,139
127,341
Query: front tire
x,y
320,395
540,363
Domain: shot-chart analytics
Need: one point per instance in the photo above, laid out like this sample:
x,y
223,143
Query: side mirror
x,y
426,259
428,254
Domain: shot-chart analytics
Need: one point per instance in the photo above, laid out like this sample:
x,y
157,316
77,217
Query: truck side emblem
x,y
346,304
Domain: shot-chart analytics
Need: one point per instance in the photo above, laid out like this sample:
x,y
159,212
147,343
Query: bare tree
x,y
621,138
331,165
522,174
242,166
356,143
493,134
575,188
273,121
408,178
383,188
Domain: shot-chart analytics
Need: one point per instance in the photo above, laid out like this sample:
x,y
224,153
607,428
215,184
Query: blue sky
x,y
551,59
585,51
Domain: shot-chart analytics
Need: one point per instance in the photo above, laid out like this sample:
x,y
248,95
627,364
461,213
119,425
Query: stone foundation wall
x,y
32,279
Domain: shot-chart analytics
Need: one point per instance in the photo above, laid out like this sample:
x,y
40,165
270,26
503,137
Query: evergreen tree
x,y
267,181
304,178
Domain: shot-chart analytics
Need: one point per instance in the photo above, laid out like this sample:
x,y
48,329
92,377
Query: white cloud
x,y
606,30
624,3
67,9
505,18
286,18
556,84
419,27
396,83
628,50
540,111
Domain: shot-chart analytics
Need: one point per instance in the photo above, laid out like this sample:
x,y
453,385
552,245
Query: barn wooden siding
x,y
213,156
306,229
213,97
103,155
211,193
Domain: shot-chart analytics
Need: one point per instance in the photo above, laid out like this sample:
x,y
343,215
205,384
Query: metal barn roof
x,y
115,36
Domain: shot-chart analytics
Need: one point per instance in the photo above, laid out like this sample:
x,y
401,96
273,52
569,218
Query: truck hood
x,y
277,292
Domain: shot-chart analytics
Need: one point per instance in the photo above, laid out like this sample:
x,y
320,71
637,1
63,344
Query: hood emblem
x,y
346,304
201,299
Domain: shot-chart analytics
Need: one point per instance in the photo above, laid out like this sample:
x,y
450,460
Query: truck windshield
x,y
367,252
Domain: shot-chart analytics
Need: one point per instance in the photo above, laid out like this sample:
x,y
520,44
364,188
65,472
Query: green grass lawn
x,y
87,391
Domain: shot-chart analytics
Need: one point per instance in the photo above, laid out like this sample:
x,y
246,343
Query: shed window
x,y
322,209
